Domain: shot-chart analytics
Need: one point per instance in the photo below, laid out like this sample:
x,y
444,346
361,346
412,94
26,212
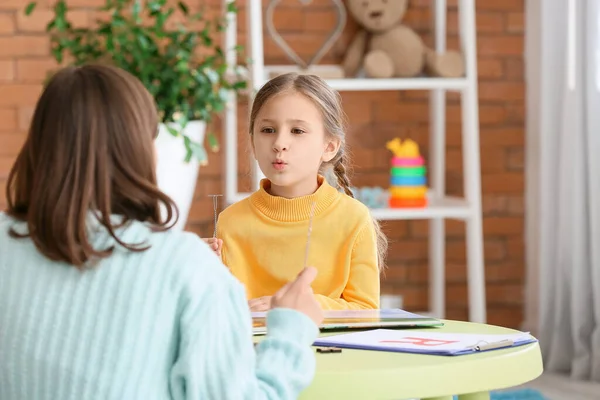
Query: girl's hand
x,y
215,244
298,295
260,304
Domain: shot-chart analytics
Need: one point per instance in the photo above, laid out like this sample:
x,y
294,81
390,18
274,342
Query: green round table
x,y
375,375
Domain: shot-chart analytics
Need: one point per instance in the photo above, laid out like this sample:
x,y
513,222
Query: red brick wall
x,y
375,117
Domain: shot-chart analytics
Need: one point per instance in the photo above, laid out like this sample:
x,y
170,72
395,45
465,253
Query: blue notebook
x,y
420,342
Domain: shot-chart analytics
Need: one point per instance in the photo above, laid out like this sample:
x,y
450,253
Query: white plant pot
x,y
175,177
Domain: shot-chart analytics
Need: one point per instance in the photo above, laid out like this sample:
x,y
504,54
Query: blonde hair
x,y
329,103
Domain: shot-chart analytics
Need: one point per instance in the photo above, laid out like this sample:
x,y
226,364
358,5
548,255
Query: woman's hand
x,y
215,244
298,295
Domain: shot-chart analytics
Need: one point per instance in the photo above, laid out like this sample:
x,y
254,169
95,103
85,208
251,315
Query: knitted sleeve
x,y
216,357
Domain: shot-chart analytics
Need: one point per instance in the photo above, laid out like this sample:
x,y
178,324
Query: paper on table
x,y
435,343
358,314
259,314
359,319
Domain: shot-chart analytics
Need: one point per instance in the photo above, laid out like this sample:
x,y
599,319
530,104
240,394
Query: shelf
x,y
397,84
448,207
363,84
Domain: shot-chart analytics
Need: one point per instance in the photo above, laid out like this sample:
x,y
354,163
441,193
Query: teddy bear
x,y
386,48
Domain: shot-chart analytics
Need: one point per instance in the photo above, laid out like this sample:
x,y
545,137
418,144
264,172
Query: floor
x,y
558,387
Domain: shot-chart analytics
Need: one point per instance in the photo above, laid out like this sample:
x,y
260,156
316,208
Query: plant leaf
x,y
172,131
30,7
231,7
213,143
184,8
199,152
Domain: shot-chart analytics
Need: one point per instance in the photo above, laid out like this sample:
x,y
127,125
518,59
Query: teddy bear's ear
x,y
375,15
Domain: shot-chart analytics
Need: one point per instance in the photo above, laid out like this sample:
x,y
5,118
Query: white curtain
x,y
563,183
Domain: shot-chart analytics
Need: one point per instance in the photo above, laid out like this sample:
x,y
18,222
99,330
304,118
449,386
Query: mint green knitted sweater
x,y
166,323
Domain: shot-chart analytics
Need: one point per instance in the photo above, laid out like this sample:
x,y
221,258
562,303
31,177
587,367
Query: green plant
x,y
178,62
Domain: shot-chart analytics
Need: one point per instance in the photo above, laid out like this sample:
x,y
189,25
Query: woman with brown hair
x,y
98,298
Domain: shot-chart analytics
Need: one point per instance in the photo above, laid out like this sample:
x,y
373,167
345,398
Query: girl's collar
x,y
297,209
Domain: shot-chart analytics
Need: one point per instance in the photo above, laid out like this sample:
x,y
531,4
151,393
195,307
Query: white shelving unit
x,y
440,206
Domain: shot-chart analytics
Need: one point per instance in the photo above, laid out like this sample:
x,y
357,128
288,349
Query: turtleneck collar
x,y
297,209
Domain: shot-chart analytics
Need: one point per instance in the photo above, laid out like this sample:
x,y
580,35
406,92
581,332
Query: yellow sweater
x,y
264,245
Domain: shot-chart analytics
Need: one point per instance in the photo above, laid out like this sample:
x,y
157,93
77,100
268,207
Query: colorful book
x,y
360,319
420,342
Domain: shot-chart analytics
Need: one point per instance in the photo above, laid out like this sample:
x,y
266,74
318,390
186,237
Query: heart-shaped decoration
x,y
335,34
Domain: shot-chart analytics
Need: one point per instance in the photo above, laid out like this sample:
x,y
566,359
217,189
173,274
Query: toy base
x,y
396,202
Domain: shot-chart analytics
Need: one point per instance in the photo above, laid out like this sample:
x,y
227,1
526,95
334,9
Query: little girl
x,y
297,130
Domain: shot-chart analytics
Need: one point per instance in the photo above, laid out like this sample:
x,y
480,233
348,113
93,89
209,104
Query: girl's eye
x,y
297,131
267,130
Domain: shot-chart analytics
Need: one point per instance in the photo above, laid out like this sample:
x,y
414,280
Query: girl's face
x,y
290,143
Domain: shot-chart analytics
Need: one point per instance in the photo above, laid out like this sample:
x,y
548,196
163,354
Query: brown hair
x,y
329,103
89,152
